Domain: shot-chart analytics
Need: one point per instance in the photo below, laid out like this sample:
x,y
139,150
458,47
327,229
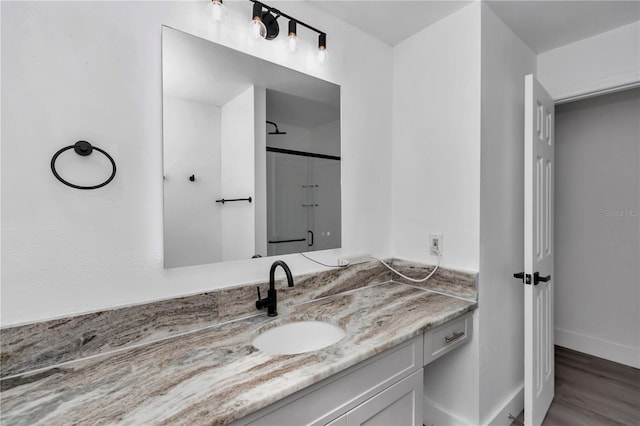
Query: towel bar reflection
x,y
287,241
222,200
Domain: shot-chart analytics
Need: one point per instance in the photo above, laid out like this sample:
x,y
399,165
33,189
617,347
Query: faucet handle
x,y
261,303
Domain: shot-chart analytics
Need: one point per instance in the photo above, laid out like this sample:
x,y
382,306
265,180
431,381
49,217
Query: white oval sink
x,y
298,337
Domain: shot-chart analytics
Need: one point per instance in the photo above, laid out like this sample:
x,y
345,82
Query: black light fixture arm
x,y
279,14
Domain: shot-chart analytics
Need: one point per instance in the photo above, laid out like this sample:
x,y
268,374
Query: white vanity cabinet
x,y
329,399
385,389
400,404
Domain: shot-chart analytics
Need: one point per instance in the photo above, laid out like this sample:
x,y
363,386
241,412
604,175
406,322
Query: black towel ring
x,y
83,148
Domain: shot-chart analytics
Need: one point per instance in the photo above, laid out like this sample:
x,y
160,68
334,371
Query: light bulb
x,y
293,43
322,55
257,29
217,11
293,36
322,48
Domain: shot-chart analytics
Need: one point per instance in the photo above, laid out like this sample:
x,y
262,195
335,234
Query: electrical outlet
x,y
354,260
435,244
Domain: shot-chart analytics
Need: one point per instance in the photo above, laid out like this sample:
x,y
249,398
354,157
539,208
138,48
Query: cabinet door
x,y
398,405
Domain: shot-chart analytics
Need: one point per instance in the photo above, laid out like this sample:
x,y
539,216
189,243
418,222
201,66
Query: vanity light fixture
x,y
217,10
264,24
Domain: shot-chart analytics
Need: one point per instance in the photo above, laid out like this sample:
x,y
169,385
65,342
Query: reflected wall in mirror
x,y
261,137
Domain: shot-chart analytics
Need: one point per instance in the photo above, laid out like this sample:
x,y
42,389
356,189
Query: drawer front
x,y
443,339
334,396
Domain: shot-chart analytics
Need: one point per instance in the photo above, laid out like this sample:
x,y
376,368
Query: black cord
x,y
323,264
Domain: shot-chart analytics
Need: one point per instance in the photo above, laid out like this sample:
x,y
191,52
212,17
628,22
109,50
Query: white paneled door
x,y
538,252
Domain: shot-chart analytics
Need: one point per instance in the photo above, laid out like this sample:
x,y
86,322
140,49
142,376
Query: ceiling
x,y
390,21
545,25
542,25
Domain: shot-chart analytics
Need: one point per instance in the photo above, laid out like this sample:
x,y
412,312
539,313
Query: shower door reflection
x,y
303,205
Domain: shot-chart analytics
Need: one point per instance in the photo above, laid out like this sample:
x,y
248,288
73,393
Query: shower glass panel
x,y
303,206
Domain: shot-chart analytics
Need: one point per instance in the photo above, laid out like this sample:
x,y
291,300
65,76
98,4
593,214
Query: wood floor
x,y
592,391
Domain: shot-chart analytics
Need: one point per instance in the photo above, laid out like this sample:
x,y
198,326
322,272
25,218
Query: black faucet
x,y
271,301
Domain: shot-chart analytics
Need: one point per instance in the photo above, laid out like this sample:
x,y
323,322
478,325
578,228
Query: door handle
x,y
311,244
525,278
538,279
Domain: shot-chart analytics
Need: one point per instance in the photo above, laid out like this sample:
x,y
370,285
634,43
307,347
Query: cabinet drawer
x,y
441,340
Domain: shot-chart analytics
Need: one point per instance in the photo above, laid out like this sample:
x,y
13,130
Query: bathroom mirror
x,y
251,155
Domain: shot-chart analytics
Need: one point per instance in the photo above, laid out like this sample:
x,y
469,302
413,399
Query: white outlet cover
x,y
438,237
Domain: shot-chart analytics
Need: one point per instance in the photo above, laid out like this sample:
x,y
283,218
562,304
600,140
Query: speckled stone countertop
x,y
214,375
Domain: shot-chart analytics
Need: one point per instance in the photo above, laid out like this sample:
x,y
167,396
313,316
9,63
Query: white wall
x,y
436,133
192,222
598,63
457,155
436,179
505,62
238,176
327,138
92,70
597,238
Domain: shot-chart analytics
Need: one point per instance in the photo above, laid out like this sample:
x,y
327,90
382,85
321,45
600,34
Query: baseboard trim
x,y
435,415
514,404
600,348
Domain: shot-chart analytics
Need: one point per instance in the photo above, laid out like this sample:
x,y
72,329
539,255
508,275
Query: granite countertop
x,y
214,375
